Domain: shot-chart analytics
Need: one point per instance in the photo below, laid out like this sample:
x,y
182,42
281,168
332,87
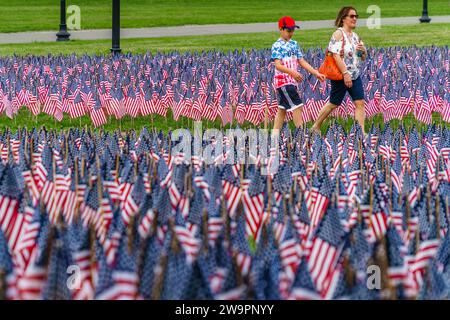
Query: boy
x,y
287,56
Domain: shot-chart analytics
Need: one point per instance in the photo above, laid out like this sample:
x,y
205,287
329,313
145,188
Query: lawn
x,y
34,15
420,35
26,119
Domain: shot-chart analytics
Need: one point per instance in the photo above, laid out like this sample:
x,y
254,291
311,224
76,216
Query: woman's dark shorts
x,y
338,90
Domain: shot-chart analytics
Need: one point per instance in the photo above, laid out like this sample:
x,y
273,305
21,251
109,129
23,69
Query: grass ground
x,y
26,119
34,15
420,35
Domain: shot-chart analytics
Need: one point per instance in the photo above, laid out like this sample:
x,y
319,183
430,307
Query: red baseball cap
x,y
287,22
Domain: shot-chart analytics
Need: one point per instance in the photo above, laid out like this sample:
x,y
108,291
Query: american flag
x,y
303,287
84,175
326,250
322,199
231,189
140,85
253,201
241,246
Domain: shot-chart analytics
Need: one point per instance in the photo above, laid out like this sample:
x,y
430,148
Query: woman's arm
x,y
343,68
338,36
362,48
364,56
340,63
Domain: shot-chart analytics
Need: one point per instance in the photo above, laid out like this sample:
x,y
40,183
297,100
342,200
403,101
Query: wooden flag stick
x,y
289,147
117,167
385,260
407,212
419,193
390,195
429,203
31,144
266,116
160,272
82,166
135,170
205,230
349,272
438,208
307,147
149,171
361,167
99,190
7,146
269,194
2,284
226,219
77,205
66,147
54,183
370,200
25,147
292,190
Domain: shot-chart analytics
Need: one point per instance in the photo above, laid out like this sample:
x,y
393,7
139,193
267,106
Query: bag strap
x,y
343,41
343,38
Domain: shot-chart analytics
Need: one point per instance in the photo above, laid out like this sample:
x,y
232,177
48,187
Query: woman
x,y
348,63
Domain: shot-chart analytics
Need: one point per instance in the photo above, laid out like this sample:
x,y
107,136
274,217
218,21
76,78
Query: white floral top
x,y
351,60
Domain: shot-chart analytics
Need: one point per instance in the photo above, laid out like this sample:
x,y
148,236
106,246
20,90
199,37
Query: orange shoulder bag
x,y
329,67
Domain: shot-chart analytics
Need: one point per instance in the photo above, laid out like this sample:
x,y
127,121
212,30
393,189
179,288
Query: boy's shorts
x,y
339,89
288,98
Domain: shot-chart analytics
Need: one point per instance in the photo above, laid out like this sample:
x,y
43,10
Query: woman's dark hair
x,y
341,15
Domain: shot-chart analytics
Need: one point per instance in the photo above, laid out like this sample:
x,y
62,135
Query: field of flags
x,y
233,87
114,215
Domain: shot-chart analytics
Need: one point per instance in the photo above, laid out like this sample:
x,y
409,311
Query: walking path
x,y
193,30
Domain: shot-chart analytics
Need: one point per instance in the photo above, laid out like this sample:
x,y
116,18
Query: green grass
x,y
25,119
157,122
420,35
36,15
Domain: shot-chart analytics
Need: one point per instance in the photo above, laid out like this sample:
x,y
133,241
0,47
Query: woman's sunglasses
x,y
353,16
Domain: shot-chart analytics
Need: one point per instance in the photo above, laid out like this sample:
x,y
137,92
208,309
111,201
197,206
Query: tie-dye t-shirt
x,y
351,60
288,52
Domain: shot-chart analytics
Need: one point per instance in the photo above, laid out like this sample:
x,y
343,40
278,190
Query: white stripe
x,y
291,104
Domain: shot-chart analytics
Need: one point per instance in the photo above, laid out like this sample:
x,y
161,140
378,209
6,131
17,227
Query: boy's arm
x,y
293,73
305,65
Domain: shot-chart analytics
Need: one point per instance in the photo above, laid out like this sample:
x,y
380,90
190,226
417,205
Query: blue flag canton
x,y
330,228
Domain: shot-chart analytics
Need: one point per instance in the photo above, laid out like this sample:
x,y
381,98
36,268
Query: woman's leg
x,y
337,94
323,114
360,113
357,94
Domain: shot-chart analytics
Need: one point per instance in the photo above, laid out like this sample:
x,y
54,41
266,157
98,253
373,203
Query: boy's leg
x,y
273,153
278,124
279,119
297,116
